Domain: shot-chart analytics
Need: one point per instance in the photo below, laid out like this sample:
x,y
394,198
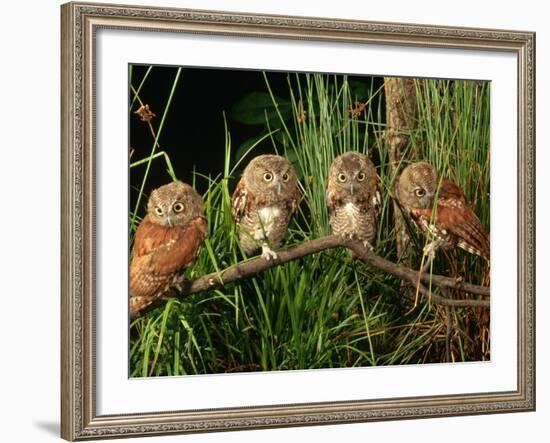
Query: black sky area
x,y
193,134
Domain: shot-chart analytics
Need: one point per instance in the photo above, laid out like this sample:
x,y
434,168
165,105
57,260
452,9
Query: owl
x,y
167,241
440,211
353,197
263,203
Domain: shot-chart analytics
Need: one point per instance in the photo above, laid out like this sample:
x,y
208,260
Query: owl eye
x,y
420,192
285,177
159,211
342,177
360,177
178,207
268,176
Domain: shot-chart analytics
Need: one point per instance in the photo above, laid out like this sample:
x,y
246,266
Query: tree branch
x,y
250,268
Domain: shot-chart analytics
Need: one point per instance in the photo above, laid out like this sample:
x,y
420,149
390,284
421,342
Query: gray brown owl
x,y
438,208
263,203
353,197
167,241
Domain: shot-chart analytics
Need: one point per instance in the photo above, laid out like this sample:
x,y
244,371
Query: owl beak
x,y
170,224
351,188
279,187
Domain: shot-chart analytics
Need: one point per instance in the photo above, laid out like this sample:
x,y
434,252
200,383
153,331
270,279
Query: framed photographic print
x,y
283,221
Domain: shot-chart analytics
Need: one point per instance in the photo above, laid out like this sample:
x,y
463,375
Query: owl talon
x,y
268,254
429,250
367,245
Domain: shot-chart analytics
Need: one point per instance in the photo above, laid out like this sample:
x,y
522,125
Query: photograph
x,y
284,221
273,221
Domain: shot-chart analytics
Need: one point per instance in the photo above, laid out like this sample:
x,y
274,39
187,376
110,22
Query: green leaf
x,y
254,108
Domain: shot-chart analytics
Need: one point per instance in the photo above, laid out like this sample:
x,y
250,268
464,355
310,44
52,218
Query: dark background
x,y
193,133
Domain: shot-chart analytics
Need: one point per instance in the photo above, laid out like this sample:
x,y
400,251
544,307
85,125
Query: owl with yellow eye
x,y
353,197
263,203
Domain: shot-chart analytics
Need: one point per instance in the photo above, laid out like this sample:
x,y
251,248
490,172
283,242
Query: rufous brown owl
x,y
167,240
263,203
353,197
439,209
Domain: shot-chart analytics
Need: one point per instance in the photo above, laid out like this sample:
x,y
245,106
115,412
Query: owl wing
x,y
456,219
376,198
466,227
161,252
471,234
240,202
333,201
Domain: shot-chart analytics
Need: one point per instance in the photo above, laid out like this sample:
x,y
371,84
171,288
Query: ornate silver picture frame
x,y
81,22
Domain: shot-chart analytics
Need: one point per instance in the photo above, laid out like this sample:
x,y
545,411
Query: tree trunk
x,y
400,118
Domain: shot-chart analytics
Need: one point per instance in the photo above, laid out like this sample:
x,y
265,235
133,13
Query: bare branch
x,y
252,267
